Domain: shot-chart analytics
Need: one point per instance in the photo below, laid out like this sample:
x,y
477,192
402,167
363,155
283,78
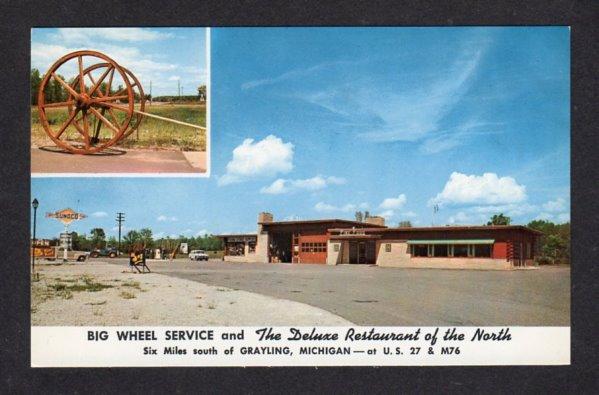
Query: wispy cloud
x,y
293,74
347,208
281,185
166,218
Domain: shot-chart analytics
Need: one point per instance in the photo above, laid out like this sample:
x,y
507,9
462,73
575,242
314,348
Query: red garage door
x,y
312,249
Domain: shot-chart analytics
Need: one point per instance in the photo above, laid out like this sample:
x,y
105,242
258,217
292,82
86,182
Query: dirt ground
x,y
96,293
48,160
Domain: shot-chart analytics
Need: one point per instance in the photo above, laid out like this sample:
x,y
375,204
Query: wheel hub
x,y
84,102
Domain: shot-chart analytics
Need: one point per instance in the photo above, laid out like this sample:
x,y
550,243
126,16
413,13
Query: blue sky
x,y
320,122
160,55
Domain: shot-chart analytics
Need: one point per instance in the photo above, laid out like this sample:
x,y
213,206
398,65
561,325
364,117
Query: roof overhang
x,y
453,241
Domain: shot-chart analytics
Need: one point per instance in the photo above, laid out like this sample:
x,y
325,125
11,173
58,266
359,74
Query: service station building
x,y
336,241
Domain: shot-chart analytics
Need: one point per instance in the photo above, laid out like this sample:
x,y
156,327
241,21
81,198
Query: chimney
x,y
265,217
375,220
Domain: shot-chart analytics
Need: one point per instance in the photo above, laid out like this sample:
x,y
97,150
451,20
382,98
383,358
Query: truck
x,y
54,253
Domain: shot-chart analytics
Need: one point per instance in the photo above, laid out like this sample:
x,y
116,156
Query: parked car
x,y
198,255
109,252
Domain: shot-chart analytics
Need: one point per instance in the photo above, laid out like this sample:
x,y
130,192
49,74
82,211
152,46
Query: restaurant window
x,y
336,247
252,247
419,250
482,250
441,250
460,250
235,249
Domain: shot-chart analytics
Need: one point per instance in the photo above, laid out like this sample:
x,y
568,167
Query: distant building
x,y
337,241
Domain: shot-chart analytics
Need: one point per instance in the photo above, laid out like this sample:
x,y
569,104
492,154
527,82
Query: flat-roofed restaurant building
x,y
336,241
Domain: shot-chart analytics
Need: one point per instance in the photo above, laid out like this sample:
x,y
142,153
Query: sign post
x,y
66,216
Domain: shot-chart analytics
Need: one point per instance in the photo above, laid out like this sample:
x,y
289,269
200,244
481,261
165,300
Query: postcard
x,y
349,196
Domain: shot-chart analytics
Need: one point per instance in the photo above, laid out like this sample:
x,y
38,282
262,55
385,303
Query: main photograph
x,y
359,176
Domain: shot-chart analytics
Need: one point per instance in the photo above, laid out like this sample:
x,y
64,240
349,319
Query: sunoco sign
x,y
66,216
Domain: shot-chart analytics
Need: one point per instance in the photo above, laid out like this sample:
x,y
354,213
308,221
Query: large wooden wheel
x,y
91,103
138,94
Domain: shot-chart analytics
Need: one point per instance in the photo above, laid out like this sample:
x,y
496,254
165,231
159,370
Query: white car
x,y
198,255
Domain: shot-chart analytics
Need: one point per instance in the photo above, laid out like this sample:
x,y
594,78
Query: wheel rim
x,y
85,102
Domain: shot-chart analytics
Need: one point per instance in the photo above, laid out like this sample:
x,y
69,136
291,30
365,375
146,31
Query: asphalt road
x,y
371,295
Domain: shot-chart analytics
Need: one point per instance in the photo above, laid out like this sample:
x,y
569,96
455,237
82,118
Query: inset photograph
x,y
119,101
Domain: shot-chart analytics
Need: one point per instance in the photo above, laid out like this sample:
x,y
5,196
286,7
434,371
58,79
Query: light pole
x,y
34,204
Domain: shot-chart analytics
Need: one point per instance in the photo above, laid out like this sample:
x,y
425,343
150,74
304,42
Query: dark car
x,y
109,252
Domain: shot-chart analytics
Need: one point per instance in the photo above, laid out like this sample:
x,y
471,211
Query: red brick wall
x,y
500,250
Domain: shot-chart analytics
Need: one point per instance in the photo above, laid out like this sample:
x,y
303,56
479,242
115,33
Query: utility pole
x,y
179,88
120,218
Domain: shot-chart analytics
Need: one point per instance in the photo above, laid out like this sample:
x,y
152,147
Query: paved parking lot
x,y
371,295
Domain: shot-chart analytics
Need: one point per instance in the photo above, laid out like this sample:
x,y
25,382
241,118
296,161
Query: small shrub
x,y
127,295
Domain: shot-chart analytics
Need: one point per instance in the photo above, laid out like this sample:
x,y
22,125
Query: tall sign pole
x,y
120,218
35,205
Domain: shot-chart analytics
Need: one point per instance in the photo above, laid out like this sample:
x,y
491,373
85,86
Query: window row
x,y
314,247
452,250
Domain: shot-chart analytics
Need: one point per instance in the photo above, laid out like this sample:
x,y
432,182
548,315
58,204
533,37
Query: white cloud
x,y
99,214
463,218
563,217
394,203
201,232
387,214
251,159
158,235
462,189
89,35
281,185
325,207
166,218
174,78
558,204
544,216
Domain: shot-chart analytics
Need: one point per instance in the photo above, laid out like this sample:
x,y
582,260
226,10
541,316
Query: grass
x,y
132,284
152,133
127,295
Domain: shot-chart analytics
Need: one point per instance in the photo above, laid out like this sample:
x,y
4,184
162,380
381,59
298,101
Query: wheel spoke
x,y
112,105
106,121
66,124
81,81
109,85
99,125
85,130
109,98
66,86
97,84
60,104
114,118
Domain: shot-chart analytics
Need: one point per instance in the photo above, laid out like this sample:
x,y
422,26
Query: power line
x,y
120,218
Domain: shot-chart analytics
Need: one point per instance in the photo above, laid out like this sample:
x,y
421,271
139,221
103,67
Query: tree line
x,y
143,237
55,92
